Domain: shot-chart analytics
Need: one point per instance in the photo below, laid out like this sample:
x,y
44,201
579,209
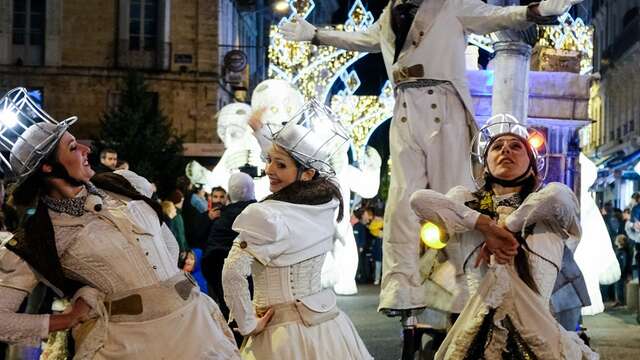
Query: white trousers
x,y
429,143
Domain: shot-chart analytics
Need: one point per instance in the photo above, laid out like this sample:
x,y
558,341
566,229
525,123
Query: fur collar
x,y
313,192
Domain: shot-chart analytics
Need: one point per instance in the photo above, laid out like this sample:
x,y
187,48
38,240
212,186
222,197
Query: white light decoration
x,y
571,34
594,254
8,118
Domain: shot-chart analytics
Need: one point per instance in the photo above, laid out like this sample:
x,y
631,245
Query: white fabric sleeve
x,y
237,267
22,329
364,41
445,210
171,243
93,297
480,18
555,205
16,282
263,232
141,184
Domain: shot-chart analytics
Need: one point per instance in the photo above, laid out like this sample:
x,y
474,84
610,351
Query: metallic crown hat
x,y
27,132
313,137
506,124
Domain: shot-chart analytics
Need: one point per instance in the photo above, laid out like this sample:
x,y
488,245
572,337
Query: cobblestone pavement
x,y
615,334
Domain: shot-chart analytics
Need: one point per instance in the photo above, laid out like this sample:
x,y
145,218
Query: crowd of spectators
x,y
624,231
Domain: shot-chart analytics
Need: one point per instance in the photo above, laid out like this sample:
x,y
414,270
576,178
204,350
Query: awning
x,y
624,162
603,179
630,175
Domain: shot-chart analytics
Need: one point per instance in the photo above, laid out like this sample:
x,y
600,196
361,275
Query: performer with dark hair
x,y
99,240
522,231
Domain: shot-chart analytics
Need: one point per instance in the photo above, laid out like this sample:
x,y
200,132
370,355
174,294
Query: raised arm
x,y
365,41
481,18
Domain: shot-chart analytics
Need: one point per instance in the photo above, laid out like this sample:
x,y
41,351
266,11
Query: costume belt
x,y
309,313
150,302
422,83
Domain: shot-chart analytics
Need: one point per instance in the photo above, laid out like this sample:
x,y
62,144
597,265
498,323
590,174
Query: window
x,y
28,31
143,24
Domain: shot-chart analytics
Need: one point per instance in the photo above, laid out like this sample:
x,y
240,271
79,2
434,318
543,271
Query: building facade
x,y
76,53
613,139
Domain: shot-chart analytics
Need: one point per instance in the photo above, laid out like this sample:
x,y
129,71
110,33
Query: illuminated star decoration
x,y
315,69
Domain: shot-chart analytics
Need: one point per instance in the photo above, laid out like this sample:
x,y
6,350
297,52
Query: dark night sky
x,y
370,68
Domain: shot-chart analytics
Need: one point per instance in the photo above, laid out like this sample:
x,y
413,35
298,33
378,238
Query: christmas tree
x,y
142,135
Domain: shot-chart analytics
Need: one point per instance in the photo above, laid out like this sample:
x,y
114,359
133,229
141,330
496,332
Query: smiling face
x,y
282,169
74,157
507,158
109,160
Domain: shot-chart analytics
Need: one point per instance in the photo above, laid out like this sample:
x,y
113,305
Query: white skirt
x,y
333,339
195,331
502,290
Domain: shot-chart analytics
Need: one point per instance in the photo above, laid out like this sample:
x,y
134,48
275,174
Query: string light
x,y
315,69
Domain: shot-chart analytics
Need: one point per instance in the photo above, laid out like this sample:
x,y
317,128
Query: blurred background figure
x,y
108,161
221,236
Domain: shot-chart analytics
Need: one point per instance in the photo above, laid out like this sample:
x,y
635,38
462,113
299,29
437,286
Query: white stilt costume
x,y
341,265
433,109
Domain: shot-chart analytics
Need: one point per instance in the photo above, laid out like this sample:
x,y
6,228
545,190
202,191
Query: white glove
x,y
555,7
298,29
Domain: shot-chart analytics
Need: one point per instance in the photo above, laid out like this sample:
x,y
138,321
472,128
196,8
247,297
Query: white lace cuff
x,y
237,267
22,329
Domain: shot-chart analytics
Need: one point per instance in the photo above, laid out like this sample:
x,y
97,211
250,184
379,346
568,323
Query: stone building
x,y
613,140
77,52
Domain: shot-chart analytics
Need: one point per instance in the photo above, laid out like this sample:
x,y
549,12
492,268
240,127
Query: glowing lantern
x,y
431,236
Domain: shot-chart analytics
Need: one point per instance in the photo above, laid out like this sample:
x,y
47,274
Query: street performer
x,y
100,241
423,44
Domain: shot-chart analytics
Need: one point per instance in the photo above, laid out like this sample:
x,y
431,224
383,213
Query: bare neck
x,y
503,190
61,189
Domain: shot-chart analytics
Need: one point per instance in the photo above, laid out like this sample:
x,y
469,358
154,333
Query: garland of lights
x,y
315,69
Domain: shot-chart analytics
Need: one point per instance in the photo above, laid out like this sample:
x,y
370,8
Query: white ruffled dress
x,y
554,211
283,245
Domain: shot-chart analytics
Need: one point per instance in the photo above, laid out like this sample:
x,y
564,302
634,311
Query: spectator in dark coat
x,y
221,235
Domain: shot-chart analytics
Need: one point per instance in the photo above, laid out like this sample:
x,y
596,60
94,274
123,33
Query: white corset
x,y
276,285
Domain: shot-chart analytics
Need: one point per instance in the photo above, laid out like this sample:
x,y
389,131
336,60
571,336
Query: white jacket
x,y
437,39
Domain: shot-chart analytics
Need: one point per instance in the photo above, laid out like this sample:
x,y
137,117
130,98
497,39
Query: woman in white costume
x,y
506,315
282,243
100,240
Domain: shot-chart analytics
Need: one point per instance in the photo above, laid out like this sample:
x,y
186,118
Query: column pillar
x,y
511,79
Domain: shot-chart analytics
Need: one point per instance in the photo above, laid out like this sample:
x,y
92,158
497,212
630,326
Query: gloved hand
x,y
298,29
555,7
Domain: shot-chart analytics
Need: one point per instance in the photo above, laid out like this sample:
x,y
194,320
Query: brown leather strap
x,y
409,72
134,304
130,305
